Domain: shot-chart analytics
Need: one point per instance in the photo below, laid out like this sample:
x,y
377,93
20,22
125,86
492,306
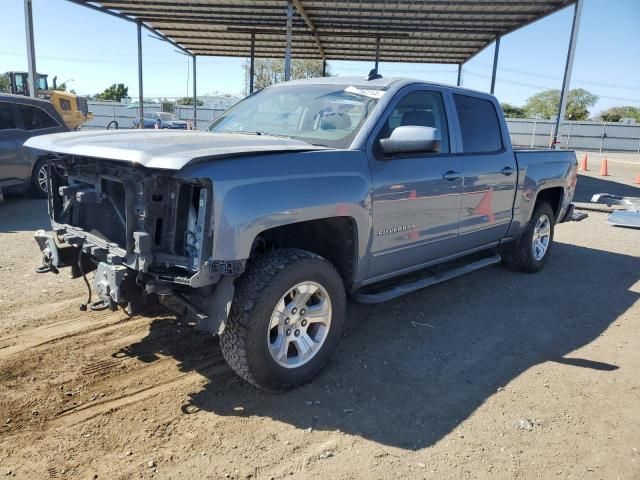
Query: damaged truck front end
x,y
144,232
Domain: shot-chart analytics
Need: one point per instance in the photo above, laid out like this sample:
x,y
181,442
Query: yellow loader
x,y
72,108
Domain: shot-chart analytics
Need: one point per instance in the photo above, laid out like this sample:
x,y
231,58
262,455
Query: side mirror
x,y
412,138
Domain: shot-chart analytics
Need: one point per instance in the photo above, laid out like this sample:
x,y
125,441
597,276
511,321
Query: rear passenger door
x,y
12,166
490,172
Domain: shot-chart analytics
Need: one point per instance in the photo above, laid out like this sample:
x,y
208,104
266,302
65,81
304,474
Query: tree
x,y
269,71
615,114
115,92
188,101
4,84
545,104
511,111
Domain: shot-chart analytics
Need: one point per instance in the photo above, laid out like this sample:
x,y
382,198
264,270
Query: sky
x,y
94,50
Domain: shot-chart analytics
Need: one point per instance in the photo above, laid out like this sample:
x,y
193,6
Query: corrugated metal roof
x,y
424,31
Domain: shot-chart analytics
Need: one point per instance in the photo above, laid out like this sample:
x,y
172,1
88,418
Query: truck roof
x,y
378,83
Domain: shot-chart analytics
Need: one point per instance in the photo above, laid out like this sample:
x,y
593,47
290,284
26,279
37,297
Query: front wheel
x,y
285,320
531,251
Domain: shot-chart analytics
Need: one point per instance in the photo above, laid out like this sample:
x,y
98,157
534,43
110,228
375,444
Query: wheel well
x,y
332,238
552,196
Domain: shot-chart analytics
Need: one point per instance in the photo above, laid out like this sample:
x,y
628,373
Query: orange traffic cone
x,y
583,163
604,167
484,207
412,195
638,179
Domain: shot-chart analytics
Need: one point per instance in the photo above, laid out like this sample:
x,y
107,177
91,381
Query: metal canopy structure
x,y
426,31
409,31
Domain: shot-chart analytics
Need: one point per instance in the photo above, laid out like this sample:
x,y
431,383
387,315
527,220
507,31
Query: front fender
x,y
254,194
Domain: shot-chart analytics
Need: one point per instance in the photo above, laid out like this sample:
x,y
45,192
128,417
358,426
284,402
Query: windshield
x,y
165,117
325,115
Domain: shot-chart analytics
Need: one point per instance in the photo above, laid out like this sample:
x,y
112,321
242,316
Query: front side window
x,y
479,124
420,108
34,118
325,115
6,117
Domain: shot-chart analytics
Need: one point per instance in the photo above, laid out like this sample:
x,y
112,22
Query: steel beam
x,y
496,52
309,22
140,93
459,82
122,16
287,53
568,67
195,96
252,62
31,48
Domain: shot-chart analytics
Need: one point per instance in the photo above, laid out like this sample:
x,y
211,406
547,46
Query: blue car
x,y
163,120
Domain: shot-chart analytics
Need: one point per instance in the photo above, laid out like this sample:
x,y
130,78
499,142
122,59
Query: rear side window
x,y
34,118
479,124
6,117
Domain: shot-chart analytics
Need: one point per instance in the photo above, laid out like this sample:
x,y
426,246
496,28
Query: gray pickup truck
x,y
300,194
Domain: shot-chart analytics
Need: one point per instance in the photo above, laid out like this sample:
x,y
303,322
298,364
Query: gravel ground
x,y
493,375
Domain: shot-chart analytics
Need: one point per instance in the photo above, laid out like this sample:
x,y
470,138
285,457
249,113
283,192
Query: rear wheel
x,y
286,319
531,251
39,179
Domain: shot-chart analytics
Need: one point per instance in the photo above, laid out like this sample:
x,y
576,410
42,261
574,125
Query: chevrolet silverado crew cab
x,y
300,194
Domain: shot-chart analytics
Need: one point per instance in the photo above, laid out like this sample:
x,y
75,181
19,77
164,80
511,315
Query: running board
x,y
432,279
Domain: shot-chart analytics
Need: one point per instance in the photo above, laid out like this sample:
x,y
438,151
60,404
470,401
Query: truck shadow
x,y
409,372
588,186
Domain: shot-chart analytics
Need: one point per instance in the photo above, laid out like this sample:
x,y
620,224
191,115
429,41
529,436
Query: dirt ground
x,y
493,375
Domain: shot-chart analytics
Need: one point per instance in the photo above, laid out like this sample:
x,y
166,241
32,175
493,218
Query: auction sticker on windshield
x,y
365,92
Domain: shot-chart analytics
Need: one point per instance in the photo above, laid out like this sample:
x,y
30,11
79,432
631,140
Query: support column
x,y
496,51
195,96
252,62
377,53
287,54
31,49
459,75
566,80
324,67
140,93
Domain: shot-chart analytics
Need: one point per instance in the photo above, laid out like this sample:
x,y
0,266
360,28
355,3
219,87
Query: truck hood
x,y
163,149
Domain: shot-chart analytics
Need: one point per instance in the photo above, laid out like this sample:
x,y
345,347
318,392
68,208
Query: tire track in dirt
x,y
87,411
57,331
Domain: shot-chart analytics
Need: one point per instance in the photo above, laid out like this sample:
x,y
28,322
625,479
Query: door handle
x,y
451,175
507,171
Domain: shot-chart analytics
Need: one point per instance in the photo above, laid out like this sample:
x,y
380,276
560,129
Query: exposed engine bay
x,y
144,232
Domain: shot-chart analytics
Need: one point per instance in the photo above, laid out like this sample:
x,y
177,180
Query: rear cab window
x,y
479,124
35,118
7,121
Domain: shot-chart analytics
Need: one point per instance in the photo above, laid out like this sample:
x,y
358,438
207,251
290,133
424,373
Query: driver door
x,y
417,196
